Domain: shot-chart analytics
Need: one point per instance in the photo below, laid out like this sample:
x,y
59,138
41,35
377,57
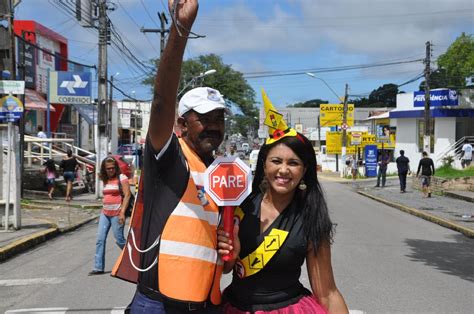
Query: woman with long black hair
x,y
283,223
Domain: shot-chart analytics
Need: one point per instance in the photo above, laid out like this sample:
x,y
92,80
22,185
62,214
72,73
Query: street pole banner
x,y
333,115
370,156
12,87
70,88
11,109
333,143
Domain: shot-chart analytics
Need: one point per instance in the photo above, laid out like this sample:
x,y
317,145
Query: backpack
x,y
131,202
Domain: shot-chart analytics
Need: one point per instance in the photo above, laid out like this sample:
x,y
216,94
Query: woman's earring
x,y
302,186
263,185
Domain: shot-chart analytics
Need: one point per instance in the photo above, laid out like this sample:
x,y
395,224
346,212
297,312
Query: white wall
x,y
406,140
445,135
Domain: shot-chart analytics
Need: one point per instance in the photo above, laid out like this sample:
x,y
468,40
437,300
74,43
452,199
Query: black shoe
x,y
377,186
96,272
429,194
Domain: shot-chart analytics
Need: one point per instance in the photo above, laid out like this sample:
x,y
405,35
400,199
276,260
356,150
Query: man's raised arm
x,y
163,105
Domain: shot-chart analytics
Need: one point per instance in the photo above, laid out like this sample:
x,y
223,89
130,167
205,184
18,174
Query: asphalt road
x,y
384,261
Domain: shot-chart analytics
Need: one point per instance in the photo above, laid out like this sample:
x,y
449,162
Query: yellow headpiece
x,y
277,127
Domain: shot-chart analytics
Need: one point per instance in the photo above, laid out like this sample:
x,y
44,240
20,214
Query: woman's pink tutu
x,y
306,305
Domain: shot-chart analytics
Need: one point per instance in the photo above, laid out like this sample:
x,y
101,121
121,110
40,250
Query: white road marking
x,y
49,310
31,281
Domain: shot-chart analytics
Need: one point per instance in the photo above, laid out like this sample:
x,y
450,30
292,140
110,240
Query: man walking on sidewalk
x,y
427,170
403,166
383,163
466,154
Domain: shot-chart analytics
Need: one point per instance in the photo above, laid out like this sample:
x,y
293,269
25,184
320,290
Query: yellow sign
x,y
332,114
368,139
390,144
333,143
273,119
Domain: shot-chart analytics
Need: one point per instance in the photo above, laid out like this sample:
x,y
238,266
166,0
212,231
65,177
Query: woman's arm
x,y
322,279
126,199
225,245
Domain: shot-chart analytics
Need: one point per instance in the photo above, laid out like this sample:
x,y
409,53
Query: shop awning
x,y
34,101
88,112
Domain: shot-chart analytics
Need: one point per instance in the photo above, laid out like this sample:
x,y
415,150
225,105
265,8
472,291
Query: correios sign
x,y
228,181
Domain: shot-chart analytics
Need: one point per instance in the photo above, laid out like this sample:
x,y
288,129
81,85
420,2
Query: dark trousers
x,y
402,176
382,174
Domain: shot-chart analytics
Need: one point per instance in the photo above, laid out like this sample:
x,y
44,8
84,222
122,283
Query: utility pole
x,y
428,131
162,31
7,43
344,130
101,137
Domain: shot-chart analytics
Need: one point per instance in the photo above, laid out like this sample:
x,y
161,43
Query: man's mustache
x,y
210,134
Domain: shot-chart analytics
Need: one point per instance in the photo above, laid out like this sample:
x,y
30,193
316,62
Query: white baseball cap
x,y
202,100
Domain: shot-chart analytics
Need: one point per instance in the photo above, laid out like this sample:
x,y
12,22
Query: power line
x,y
328,69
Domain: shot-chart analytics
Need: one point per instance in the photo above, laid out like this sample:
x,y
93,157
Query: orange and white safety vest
x,y
189,265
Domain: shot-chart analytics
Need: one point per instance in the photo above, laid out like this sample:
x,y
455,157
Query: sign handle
x,y
228,218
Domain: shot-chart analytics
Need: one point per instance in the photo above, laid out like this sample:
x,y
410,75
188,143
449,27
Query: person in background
x,y
403,167
41,134
283,223
426,166
384,160
69,166
354,167
466,157
51,174
113,211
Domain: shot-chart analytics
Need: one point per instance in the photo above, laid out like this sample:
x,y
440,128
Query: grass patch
x,y
449,172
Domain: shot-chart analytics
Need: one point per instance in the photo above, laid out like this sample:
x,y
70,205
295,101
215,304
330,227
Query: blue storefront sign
x,y
370,156
70,87
438,98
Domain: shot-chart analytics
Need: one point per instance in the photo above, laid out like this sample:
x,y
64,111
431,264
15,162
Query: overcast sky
x,y
280,37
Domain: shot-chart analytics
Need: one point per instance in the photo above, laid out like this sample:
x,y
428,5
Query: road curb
x,y
23,244
437,220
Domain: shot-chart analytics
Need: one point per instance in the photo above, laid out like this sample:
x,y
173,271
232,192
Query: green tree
x,y
228,81
458,61
384,96
313,103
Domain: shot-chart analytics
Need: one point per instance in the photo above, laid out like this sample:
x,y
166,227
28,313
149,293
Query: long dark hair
x,y
50,165
316,222
103,173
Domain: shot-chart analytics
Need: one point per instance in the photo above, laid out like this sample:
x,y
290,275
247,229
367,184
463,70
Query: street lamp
x,y
318,78
194,79
319,120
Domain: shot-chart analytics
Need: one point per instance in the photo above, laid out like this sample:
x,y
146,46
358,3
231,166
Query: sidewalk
x,y
42,219
453,210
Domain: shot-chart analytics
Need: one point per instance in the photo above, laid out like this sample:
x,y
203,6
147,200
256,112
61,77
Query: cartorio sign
x,y
333,114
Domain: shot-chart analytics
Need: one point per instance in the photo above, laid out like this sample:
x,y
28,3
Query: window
x,y
421,133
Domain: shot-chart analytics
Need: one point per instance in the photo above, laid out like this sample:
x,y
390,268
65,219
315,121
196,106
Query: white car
x,y
253,159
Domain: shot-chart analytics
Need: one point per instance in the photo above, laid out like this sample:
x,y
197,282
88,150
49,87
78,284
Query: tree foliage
x,y
313,103
458,61
455,65
228,81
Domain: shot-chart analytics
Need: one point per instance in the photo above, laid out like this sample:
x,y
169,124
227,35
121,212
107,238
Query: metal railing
x,y
454,149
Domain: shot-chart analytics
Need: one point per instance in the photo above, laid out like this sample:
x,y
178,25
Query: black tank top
x,y
277,284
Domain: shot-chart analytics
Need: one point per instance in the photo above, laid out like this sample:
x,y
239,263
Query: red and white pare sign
x,y
228,181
